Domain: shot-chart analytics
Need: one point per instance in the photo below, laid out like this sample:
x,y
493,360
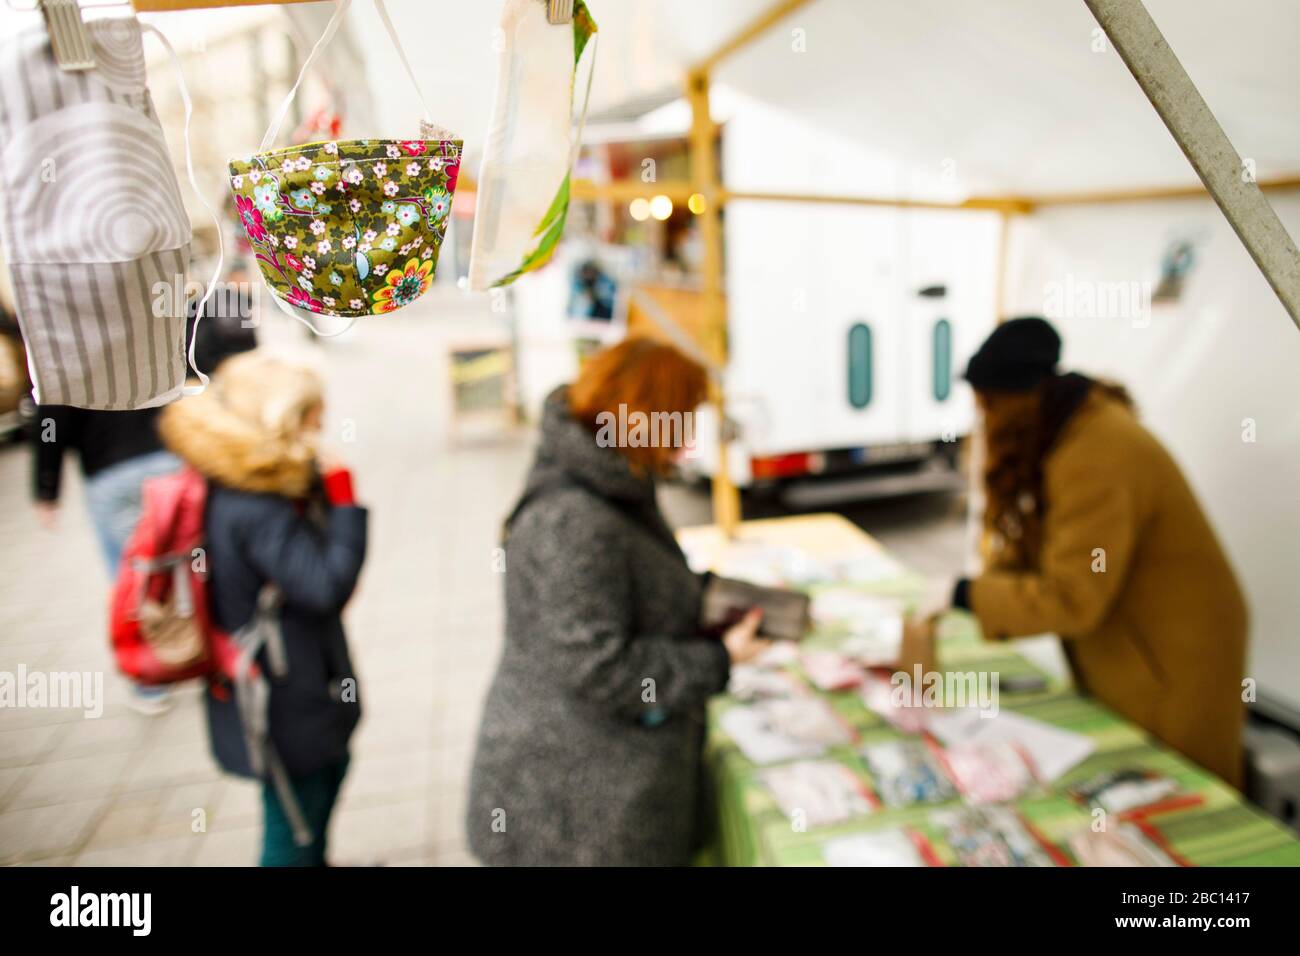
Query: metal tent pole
x,y
1171,91
706,181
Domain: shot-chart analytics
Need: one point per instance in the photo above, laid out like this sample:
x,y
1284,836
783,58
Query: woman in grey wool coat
x,y
590,747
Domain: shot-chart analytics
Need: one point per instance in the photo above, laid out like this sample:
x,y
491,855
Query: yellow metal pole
x,y
1000,267
1009,204
750,32
623,190
1291,181
704,180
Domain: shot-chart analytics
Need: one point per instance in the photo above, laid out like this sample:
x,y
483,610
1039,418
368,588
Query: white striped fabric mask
x,y
94,229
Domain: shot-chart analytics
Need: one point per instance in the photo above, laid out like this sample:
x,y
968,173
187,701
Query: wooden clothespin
x,y
559,11
69,38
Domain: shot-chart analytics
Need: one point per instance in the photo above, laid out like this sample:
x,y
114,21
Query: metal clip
x,y
69,38
559,11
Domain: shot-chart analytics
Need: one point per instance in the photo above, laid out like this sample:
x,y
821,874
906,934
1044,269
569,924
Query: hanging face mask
x,y
94,227
523,185
352,227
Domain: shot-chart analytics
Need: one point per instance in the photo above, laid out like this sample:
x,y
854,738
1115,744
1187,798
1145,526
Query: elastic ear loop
x,y
382,10
328,34
194,182
288,310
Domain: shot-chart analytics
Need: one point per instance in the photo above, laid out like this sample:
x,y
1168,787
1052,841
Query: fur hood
x,y
232,451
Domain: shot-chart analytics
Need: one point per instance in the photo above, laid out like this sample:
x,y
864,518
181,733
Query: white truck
x,y
849,326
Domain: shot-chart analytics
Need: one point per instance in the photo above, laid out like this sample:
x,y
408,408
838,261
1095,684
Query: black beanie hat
x,y
1016,357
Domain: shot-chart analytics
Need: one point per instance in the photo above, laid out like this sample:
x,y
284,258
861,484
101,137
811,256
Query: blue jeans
x,y
316,794
113,498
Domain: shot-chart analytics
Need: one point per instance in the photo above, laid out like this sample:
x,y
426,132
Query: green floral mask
x,y
348,228
353,227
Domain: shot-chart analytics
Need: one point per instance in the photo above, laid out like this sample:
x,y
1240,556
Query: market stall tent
x,y
1024,107
1025,101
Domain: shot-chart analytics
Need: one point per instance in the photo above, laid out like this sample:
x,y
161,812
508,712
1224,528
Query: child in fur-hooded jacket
x,y
276,516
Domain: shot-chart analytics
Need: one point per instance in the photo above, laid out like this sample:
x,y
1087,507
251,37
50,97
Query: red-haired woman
x,y
589,751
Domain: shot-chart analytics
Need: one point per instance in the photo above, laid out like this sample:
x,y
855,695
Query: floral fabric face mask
x,y
348,228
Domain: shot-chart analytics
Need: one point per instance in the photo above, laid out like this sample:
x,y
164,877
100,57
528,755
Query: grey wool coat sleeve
x,y
595,651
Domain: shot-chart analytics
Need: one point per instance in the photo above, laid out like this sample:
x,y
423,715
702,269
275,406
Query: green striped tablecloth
x,y
1223,830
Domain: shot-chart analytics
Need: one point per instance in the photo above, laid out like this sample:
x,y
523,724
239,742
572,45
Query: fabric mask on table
x,y
523,185
352,227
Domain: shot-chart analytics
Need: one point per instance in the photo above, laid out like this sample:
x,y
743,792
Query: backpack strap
x,y
253,698
267,615
302,835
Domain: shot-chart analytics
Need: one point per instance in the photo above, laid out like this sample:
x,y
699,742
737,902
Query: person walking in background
x,y
280,513
590,747
117,452
229,324
1093,533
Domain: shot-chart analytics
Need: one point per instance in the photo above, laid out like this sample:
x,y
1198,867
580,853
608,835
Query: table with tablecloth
x,y
1210,825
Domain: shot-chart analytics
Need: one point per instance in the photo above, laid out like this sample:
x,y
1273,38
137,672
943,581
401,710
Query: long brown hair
x,y
1020,428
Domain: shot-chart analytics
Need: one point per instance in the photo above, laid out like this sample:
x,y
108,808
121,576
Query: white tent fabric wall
x,y
1019,95
1199,369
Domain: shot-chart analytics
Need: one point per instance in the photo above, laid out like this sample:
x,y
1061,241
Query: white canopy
x,y
1012,93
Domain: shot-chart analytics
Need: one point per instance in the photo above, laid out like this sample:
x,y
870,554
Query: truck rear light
x,y
779,466
786,466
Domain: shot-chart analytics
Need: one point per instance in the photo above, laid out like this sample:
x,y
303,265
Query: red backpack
x,y
160,624
162,627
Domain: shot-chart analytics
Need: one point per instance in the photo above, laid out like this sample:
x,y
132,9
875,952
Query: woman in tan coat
x,y
1093,533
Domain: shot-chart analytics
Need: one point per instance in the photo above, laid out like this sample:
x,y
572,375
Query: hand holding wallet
x,y
787,615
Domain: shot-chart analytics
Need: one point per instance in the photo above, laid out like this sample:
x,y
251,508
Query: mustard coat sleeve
x,y
1091,498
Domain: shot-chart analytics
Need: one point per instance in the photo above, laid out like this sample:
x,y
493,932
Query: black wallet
x,y
787,615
